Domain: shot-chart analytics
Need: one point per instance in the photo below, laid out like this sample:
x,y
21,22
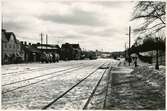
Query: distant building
x,y
77,51
70,51
29,52
10,47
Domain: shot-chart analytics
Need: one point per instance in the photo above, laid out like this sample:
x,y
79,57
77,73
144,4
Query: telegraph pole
x,y
129,44
2,21
157,54
41,40
2,61
46,40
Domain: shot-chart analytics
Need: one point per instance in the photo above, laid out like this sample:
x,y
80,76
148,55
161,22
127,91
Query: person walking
x,y
135,61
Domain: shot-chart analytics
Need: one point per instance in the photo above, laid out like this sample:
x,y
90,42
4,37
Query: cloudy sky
x,y
94,25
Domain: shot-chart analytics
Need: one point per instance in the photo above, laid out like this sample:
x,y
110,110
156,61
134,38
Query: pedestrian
x,y
135,61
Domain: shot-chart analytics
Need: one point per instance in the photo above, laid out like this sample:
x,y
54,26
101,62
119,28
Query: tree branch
x,y
158,16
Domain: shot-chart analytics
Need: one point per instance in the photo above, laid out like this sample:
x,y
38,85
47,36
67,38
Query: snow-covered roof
x,y
148,53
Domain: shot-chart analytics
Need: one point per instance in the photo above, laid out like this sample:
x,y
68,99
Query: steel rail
x,y
41,80
52,102
93,92
40,76
106,91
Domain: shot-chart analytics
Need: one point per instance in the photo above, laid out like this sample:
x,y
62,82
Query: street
x,y
35,85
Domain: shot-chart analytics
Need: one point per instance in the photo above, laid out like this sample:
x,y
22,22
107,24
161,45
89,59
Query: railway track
x,y
60,71
94,90
40,76
60,95
107,86
32,70
104,92
75,85
44,69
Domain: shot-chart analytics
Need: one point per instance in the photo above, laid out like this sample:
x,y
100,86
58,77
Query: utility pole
x,y
125,51
157,54
2,20
41,40
46,40
2,61
129,44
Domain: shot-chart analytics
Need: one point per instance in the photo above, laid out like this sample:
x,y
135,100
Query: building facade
x,y
29,53
70,51
10,47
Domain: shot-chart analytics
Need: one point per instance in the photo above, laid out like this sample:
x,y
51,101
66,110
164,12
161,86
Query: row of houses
x,y
15,51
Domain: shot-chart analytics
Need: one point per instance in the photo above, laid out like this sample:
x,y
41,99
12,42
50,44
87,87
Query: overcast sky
x,y
94,25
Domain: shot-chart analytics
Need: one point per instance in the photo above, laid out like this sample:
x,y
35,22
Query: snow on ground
x,y
98,99
142,89
77,97
38,95
17,68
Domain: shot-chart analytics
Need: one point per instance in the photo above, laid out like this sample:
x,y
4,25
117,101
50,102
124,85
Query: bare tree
x,y
152,14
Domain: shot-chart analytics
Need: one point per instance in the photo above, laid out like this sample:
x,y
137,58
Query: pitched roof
x,y
30,48
47,45
8,35
66,45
